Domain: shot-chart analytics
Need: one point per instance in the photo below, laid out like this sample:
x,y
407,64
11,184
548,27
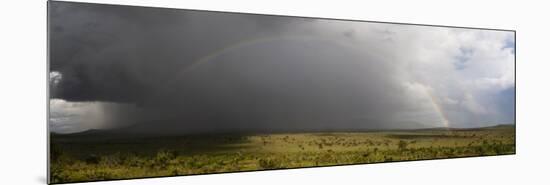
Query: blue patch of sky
x,y
462,59
510,43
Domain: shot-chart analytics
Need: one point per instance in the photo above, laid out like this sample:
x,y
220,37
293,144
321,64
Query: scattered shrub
x,y
402,145
268,163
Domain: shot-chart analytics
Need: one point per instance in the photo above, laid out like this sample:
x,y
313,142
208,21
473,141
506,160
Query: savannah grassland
x,y
76,158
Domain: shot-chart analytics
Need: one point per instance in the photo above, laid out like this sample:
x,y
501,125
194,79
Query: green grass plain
x,y
76,158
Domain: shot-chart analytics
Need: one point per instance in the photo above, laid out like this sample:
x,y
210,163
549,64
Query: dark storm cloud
x,y
174,71
117,53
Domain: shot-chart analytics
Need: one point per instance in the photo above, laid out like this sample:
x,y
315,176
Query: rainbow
x,y
438,109
249,42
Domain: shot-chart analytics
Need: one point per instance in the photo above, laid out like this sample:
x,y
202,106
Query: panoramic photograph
x,y
138,92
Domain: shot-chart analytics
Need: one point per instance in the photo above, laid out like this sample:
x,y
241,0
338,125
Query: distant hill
x,y
144,130
499,126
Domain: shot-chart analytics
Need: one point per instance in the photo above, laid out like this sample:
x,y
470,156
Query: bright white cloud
x,y
80,116
55,77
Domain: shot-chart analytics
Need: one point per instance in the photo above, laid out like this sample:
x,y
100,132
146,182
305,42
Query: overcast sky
x,y
166,70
